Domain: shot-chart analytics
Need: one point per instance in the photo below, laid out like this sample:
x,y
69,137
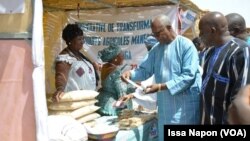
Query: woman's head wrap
x,y
107,54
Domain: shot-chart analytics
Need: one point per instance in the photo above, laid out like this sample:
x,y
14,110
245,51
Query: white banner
x,y
187,18
127,27
12,6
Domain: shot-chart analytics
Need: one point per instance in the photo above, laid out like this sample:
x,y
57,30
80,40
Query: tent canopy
x,y
101,4
71,5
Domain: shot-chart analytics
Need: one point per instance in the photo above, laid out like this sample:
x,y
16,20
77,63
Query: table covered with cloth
x,y
144,132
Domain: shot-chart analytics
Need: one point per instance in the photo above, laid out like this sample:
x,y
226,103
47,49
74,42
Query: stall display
x,y
105,128
78,104
65,128
133,125
129,119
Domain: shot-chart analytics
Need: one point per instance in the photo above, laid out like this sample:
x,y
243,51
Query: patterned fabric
x,y
175,64
202,55
65,58
81,75
107,54
112,89
225,71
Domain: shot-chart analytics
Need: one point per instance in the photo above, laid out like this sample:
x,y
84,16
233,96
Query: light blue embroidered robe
x,y
175,64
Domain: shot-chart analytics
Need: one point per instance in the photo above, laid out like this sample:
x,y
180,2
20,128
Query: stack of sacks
x,y
78,104
65,128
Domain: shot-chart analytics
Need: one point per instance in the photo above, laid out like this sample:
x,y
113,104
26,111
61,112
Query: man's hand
x,y
155,88
151,89
239,109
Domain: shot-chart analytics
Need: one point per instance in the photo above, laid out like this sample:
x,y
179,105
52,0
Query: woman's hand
x,y
97,66
57,96
126,98
126,75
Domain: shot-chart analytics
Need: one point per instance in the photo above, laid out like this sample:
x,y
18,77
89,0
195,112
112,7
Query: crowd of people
x,y
199,81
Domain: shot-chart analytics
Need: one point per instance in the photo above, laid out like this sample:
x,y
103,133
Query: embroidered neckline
x,y
79,58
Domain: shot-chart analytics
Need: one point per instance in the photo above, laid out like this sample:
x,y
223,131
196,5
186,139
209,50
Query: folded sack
x,y
71,105
79,95
76,113
89,117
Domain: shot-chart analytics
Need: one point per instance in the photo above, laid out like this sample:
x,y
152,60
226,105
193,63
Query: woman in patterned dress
x,y
112,86
73,70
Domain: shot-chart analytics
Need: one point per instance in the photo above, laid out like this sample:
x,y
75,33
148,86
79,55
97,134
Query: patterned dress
x,y
226,70
81,75
112,89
